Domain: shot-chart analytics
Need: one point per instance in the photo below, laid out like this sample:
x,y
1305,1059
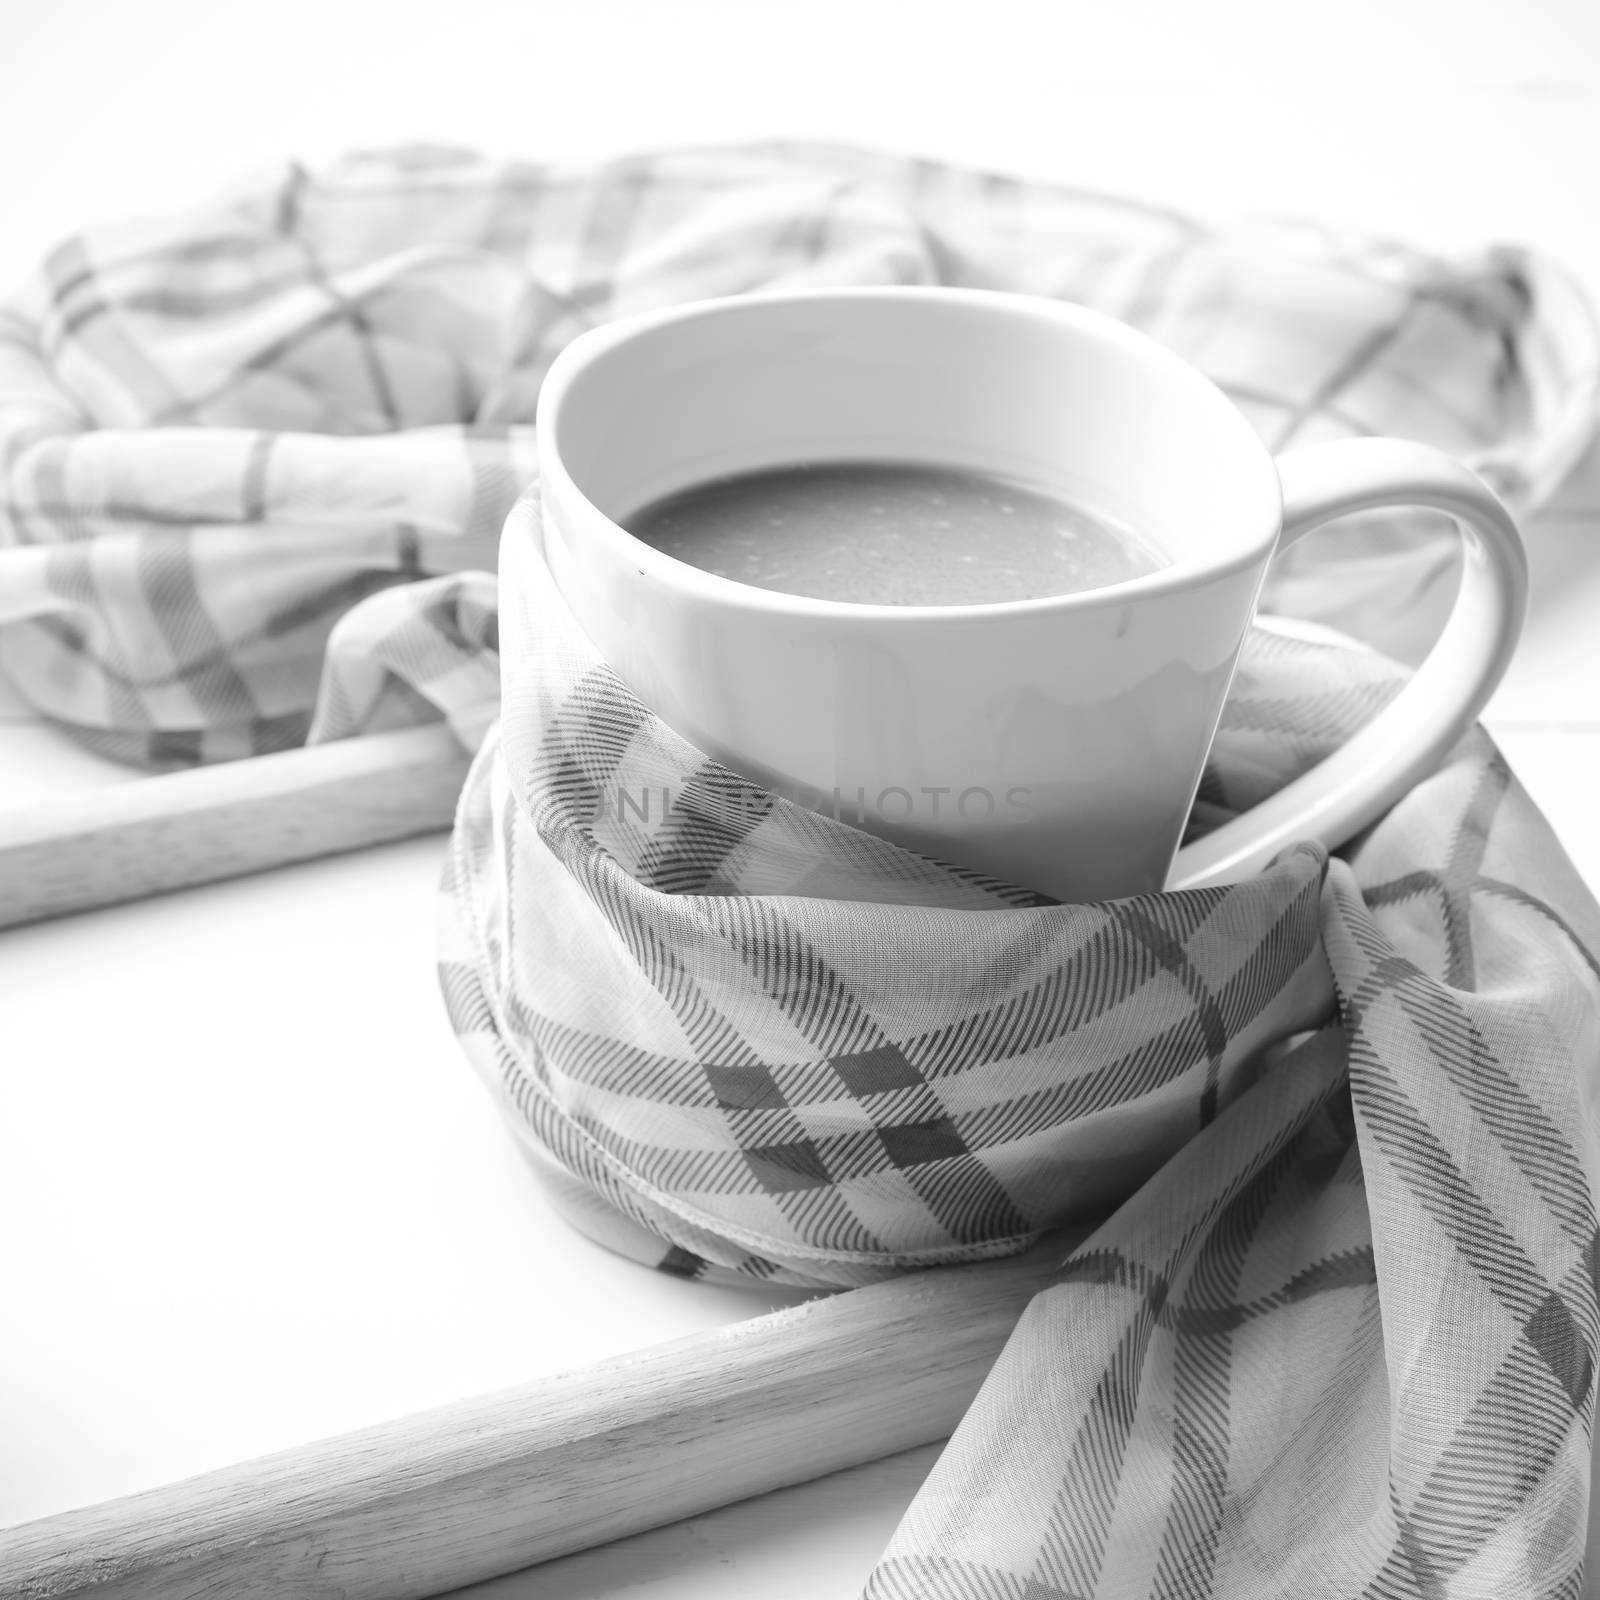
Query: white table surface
x,y
251,1193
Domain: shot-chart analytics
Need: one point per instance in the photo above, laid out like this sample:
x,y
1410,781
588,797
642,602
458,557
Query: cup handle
x,y
1410,737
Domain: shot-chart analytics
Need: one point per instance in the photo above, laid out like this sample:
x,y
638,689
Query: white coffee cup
x,y
1056,743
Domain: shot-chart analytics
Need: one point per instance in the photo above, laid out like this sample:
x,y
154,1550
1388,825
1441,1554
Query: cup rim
x,y
711,588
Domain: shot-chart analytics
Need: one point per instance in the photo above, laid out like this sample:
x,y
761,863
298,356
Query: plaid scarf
x,y
1337,1335
1335,1332
221,430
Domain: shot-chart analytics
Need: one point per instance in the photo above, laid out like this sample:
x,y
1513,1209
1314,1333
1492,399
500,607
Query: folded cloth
x,y
221,430
1337,1334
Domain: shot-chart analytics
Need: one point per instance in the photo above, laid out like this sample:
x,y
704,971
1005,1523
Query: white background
x,y
249,1192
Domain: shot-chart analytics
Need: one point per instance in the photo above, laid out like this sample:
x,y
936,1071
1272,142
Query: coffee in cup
x,y
892,533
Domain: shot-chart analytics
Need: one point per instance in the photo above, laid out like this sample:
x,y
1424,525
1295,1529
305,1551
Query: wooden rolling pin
x,y
99,847
492,1484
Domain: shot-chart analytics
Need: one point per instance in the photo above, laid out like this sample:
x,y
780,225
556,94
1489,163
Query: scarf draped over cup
x,y
1333,1132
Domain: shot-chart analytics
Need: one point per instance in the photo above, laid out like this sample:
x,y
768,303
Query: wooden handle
x,y
496,1483
99,847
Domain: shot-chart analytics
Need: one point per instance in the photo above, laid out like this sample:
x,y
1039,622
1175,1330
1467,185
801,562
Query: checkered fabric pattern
x,y
1344,1343
222,430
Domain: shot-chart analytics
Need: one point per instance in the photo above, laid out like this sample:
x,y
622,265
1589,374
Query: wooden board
x,y
501,1481
100,847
